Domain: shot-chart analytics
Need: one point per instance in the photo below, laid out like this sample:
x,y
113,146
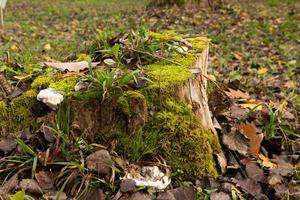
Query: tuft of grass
x,y
33,155
106,82
139,146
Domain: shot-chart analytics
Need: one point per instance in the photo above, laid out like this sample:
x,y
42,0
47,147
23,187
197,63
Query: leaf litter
x,y
245,123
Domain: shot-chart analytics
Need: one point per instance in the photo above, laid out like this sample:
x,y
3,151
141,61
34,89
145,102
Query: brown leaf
x,y
31,186
7,145
187,193
237,56
99,161
219,196
237,112
274,179
10,185
255,173
283,169
250,186
237,94
45,180
249,130
94,194
281,191
236,141
71,66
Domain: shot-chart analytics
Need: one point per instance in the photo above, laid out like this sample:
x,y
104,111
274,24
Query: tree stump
x,y
169,116
195,91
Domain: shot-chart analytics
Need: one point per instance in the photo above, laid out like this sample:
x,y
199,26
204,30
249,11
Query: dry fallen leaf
x,y
283,169
71,66
249,186
237,94
249,131
237,112
9,185
219,196
236,141
282,105
237,56
252,104
254,172
290,84
266,161
45,180
31,186
7,145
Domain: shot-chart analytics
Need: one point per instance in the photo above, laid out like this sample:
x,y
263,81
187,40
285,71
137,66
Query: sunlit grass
x,y
68,26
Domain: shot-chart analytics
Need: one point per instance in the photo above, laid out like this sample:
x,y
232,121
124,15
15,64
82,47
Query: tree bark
x,y
194,92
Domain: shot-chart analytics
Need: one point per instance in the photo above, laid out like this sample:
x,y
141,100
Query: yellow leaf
x,y
252,104
266,161
262,71
290,84
47,47
13,47
271,30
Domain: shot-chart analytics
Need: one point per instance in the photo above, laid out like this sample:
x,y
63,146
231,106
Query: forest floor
x,y
255,51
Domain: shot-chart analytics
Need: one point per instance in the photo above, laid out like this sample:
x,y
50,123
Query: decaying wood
x,y
194,93
105,117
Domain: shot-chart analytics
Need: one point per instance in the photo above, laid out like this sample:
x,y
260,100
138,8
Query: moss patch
x,y
184,144
3,114
128,101
165,76
165,36
42,82
17,115
199,43
55,81
65,85
185,59
133,105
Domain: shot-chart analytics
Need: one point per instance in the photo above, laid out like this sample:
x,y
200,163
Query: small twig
x,y
155,56
5,85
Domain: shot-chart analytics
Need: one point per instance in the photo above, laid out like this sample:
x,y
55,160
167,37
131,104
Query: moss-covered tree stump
x,y
168,117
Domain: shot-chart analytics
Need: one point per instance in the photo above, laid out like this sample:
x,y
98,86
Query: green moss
x,y
185,59
123,105
184,144
165,36
17,115
166,76
42,81
21,108
3,114
128,101
65,85
199,43
55,81
83,57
